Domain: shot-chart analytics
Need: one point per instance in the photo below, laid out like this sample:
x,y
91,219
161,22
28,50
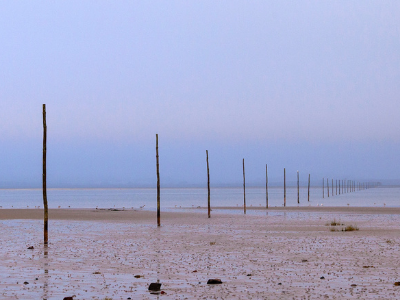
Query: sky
x,y
310,86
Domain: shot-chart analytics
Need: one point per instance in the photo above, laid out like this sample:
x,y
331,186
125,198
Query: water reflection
x,y
46,272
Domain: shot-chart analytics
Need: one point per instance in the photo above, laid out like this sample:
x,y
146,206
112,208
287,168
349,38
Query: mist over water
x,y
194,197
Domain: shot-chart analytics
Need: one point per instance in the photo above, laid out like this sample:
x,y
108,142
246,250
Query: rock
x,y
26,282
70,297
195,271
304,260
31,248
280,283
354,285
162,293
248,275
397,283
138,276
155,286
322,277
214,281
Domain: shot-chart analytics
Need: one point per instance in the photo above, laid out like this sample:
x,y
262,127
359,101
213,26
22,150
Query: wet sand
x,y
279,254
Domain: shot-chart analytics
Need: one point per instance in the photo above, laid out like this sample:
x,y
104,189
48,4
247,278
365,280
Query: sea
x,y
180,198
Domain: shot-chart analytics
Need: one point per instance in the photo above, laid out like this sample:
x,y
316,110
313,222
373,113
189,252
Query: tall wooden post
x,y
327,186
284,187
266,185
244,190
309,183
208,187
44,179
298,188
158,184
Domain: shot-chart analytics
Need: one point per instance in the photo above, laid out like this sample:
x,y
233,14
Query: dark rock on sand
x,y
214,281
155,286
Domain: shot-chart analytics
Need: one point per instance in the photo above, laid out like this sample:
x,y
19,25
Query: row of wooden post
x,y
347,186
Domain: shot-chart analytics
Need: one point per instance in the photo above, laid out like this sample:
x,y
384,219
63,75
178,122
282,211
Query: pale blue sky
x,y
308,85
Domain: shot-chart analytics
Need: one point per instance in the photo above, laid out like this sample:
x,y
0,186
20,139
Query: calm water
x,y
192,197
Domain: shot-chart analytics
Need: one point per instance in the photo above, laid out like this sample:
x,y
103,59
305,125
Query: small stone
x,y
304,260
26,282
31,248
397,283
195,271
36,278
129,298
138,276
354,285
155,286
214,281
322,277
162,293
280,283
248,274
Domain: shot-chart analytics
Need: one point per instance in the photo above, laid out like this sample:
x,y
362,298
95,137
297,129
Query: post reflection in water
x,y
46,272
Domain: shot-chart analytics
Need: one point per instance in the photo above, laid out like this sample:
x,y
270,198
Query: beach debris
x,y
155,286
212,243
353,285
26,282
248,274
366,267
162,293
322,277
214,281
97,272
138,276
31,248
195,271
69,297
304,260
397,283
280,283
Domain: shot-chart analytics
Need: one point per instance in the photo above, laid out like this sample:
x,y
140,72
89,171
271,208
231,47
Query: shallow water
x,y
194,197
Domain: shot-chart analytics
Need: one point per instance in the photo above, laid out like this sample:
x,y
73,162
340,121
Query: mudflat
x,y
267,254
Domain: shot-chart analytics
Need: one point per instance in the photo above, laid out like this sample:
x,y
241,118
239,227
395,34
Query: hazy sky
x,y
312,86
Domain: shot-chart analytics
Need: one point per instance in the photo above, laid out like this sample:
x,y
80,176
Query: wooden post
x,y
336,186
327,186
323,187
332,187
44,179
309,183
339,186
208,187
298,188
284,187
266,184
244,190
158,184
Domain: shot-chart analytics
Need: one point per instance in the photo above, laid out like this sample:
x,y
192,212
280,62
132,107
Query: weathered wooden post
x,y
44,179
244,190
284,187
208,187
298,188
327,186
309,183
266,184
158,184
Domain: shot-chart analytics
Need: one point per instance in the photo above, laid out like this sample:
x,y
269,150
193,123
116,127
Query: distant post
x,y
323,187
336,186
339,186
244,190
208,187
309,183
158,184
46,211
298,188
266,184
284,187
327,186
332,187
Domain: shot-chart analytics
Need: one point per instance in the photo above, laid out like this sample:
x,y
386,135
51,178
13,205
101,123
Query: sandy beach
x,y
291,253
